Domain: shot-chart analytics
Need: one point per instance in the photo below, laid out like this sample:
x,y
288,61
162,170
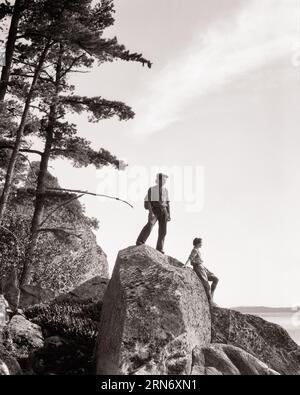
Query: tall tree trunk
x,y
39,205
10,48
19,135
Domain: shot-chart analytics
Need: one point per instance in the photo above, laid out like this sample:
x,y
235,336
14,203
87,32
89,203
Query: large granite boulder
x,y
29,295
268,342
22,337
34,294
91,291
8,364
155,312
61,263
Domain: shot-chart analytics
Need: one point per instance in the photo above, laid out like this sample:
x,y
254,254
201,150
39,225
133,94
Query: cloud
x,y
260,33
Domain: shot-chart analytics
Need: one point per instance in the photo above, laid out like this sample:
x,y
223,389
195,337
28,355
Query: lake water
x,y
289,321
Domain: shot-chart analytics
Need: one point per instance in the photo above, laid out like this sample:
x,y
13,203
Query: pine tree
x,y
74,25
79,46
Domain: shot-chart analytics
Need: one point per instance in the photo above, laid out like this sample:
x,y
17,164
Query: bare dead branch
x,y
39,108
90,193
65,231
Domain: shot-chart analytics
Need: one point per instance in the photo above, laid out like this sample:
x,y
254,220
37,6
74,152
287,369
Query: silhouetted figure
x,y
202,272
157,202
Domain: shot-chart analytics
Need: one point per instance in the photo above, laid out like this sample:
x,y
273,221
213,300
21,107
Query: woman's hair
x,y
196,241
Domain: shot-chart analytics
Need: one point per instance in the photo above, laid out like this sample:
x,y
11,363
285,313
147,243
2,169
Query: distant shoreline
x,y
264,309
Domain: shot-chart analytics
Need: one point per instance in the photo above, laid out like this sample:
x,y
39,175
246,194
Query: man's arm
x,y
187,263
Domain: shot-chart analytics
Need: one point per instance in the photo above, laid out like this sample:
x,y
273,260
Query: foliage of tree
x,y
49,30
53,39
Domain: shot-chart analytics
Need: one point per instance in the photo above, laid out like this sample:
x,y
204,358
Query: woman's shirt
x,y
195,257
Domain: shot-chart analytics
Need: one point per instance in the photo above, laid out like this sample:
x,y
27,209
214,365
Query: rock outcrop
x,y
222,359
62,260
8,364
21,337
266,341
33,294
156,320
154,314
91,291
29,295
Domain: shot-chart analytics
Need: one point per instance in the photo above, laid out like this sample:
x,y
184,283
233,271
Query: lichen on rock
x,y
154,313
156,320
266,341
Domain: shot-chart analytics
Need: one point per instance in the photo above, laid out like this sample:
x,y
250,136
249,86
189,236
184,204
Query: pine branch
x,y
79,71
22,75
67,70
19,61
27,150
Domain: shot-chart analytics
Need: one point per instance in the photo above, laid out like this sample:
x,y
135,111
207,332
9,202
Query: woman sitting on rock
x,y
202,272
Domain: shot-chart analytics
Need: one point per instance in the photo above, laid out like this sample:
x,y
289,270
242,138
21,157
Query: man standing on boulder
x,y
158,204
202,272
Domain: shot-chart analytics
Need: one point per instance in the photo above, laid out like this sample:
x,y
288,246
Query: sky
x,y
218,112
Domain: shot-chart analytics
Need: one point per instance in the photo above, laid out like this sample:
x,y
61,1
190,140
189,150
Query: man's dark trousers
x,y
160,215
